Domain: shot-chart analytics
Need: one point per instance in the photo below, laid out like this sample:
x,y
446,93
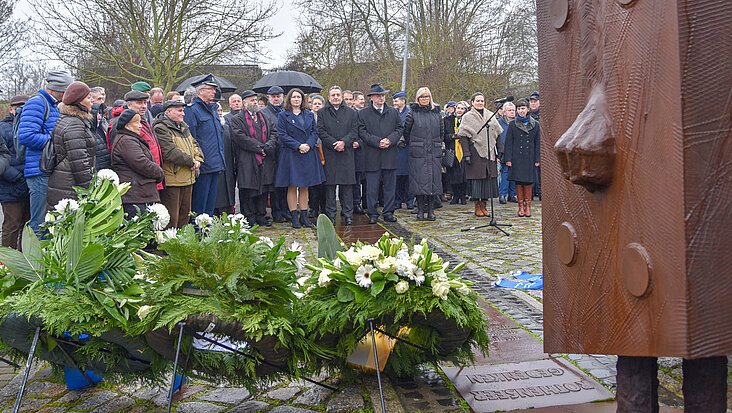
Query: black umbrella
x,y
287,80
224,84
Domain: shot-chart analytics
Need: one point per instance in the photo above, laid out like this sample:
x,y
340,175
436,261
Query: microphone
x,y
508,98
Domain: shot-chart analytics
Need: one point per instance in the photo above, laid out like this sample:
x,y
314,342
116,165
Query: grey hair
x,y
189,94
508,105
335,87
320,98
96,90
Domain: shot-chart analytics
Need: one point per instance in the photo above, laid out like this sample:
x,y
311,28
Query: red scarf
x,y
147,133
252,131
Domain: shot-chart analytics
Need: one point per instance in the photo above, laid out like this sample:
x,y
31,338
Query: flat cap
x,y
245,94
141,86
173,104
274,90
19,100
534,96
136,95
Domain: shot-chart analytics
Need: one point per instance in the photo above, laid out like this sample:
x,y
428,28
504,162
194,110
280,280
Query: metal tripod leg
x,y
27,370
175,366
376,359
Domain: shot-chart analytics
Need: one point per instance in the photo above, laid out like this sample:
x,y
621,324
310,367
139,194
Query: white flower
x,y
161,218
404,267
139,276
369,252
363,276
66,205
170,233
403,254
267,241
440,275
109,175
49,217
386,265
353,257
416,257
435,257
419,277
203,220
300,259
401,287
463,290
227,224
323,278
337,263
123,187
144,310
440,289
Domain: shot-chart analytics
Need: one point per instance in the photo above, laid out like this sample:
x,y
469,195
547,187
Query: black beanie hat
x,y
125,118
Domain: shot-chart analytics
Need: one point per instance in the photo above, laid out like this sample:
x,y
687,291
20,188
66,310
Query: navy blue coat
x,y
403,168
12,183
205,126
372,128
295,168
33,132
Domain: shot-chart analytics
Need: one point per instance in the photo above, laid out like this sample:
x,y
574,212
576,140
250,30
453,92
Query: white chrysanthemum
x,y
386,265
440,275
170,233
144,310
416,257
401,287
353,257
440,289
403,254
109,175
405,268
161,218
203,220
49,217
66,205
267,241
369,252
300,259
463,290
363,276
324,278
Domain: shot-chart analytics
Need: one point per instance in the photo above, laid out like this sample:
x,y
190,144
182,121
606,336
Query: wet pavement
x,y
516,330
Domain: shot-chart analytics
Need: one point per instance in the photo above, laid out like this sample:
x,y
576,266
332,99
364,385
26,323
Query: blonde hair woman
x,y
423,133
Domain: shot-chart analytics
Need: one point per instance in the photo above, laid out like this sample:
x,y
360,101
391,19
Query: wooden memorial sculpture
x,y
637,189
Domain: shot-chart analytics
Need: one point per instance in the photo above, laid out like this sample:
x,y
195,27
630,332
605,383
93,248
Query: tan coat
x,y
179,150
480,147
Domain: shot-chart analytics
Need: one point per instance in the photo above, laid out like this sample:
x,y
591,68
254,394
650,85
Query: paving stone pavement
x,y
488,254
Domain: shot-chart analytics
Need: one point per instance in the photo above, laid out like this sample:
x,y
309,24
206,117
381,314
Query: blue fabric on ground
x,y
179,381
527,281
75,380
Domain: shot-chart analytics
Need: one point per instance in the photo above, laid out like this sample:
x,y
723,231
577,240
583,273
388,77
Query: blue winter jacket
x,y
12,183
205,126
33,133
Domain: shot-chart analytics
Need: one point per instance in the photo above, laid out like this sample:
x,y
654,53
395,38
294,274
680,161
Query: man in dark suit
x,y
380,127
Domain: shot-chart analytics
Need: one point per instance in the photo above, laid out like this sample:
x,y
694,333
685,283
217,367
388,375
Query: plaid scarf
x,y
252,131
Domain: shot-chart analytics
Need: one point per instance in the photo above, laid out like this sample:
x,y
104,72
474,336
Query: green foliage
x,y
328,242
405,284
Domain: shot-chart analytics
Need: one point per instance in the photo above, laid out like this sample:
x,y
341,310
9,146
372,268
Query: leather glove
x,y
402,143
466,159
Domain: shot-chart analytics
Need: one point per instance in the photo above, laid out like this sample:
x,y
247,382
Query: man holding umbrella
x,y
202,118
278,197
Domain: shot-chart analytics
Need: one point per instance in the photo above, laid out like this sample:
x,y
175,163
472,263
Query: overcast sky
x,y
283,21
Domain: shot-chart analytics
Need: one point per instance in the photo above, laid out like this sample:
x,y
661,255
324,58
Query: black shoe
x,y
390,218
287,215
313,213
501,199
349,221
513,198
373,220
463,201
279,218
399,206
304,221
410,205
437,203
454,200
358,210
264,222
296,219
415,210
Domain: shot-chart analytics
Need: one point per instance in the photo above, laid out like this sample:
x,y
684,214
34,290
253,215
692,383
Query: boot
x,y
520,195
485,211
295,219
430,211
420,208
527,201
478,209
304,221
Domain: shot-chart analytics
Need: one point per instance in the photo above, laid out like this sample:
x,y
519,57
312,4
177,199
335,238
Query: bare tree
x,y
24,76
159,41
11,32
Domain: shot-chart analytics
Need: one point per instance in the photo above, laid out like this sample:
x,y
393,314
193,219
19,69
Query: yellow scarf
x,y
458,147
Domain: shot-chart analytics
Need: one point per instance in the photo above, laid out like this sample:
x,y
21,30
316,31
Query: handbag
x,y
448,158
48,161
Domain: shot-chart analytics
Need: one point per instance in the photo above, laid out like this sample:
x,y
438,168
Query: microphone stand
x,y
492,222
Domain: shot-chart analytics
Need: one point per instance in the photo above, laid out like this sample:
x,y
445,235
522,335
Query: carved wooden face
x,y
612,167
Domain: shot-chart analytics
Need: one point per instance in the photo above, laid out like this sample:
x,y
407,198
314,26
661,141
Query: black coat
x,y
523,151
12,182
225,196
252,174
75,147
103,159
372,128
424,132
333,126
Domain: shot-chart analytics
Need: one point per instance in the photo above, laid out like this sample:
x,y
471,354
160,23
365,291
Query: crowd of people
x,y
295,152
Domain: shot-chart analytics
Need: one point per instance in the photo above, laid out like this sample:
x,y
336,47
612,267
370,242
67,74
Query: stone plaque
x,y
509,342
524,385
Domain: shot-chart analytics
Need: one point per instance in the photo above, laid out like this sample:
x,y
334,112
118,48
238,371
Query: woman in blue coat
x,y
299,165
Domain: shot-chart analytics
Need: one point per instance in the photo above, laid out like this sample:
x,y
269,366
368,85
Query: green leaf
x,y
328,242
19,264
75,244
392,277
32,247
377,287
345,294
90,261
133,289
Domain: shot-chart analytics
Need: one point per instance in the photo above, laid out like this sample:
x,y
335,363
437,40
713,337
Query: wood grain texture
x,y
664,68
